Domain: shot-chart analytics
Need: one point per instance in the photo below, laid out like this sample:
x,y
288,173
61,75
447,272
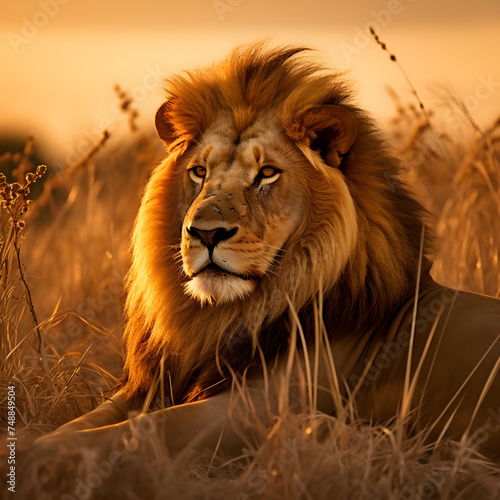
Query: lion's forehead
x,y
224,148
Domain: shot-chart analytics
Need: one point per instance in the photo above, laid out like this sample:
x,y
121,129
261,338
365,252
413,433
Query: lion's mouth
x,y
216,271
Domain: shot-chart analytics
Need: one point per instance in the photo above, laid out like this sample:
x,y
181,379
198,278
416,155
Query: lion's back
x,y
455,346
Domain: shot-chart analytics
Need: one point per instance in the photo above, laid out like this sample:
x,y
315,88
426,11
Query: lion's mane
x,y
171,338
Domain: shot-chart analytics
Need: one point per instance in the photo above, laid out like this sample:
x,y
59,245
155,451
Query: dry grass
x,y
73,256
61,313
455,172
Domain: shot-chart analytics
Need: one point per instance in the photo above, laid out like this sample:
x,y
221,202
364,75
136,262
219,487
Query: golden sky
x,y
61,58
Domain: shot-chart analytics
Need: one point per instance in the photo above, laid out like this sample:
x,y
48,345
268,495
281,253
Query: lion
x,y
277,220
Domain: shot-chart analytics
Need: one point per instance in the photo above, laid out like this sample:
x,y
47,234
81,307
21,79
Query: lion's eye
x,y
268,174
198,173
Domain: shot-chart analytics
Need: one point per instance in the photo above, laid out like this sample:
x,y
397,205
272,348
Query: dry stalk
x,y
14,199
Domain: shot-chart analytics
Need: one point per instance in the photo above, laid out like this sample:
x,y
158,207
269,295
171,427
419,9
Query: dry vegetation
x,y
62,266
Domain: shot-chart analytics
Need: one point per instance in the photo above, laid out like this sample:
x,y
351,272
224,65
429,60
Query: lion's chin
x,y
218,287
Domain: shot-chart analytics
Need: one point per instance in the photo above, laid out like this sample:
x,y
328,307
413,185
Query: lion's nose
x,y
212,237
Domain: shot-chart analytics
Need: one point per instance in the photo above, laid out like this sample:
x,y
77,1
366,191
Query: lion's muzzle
x,y
212,260
212,237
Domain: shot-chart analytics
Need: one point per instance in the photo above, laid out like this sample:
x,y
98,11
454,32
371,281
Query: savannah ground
x,y
62,267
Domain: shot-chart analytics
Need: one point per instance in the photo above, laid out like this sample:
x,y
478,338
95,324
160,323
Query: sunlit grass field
x,y
64,255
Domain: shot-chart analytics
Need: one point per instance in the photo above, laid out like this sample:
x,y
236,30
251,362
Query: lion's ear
x,y
328,129
164,126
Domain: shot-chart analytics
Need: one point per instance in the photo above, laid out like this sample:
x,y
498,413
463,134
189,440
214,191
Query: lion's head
x,y
246,193
276,188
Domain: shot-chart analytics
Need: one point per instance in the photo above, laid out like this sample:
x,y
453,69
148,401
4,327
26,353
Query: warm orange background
x,y
61,58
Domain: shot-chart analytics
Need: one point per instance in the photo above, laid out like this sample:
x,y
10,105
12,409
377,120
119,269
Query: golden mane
x,y
174,341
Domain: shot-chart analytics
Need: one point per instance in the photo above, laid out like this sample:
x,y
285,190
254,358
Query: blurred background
x,y
61,58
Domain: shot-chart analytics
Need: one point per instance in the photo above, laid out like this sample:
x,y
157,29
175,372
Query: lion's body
x,y
456,340
278,197
456,335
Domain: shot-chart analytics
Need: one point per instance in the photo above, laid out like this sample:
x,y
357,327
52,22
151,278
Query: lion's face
x,y
244,198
